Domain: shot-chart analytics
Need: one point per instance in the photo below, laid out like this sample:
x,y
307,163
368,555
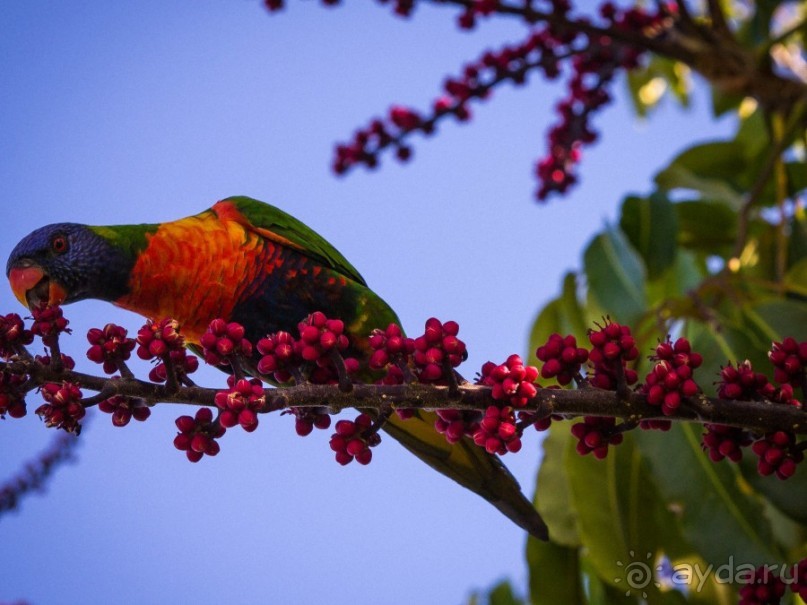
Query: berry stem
x,y
102,395
56,354
124,369
378,422
345,384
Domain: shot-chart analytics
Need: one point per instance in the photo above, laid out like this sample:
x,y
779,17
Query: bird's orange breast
x,y
197,269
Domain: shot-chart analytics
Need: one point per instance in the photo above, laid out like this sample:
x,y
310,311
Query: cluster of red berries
x,y
319,336
222,341
241,403
123,409
49,322
789,359
181,363
456,424
511,381
68,363
595,61
307,419
562,358
352,440
62,408
595,433
614,346
321,339
778,454
157,338
197,435
799,585
670,380
109,346
278,356
764,587
390,346
497,431
162,340
13,335
509,64
438,350
592,71
12,401
743,383
720,441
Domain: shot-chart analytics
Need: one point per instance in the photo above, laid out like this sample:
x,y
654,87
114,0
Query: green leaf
x,y
723,102
649,84
502,594
603,593
651,226
622,522
575,314
796,278
788,496
706,226
684,275
729,343
777,319
720,519
797,243
552,493
754,138
710,168
555,575
616,276
563,315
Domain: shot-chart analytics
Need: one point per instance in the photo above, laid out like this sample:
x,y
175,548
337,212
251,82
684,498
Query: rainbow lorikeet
x,y
245,261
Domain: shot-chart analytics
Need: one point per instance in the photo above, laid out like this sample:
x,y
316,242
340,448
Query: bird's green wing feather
x,y
266,217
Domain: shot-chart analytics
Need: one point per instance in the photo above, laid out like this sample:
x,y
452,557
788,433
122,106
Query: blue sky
x,y
150,111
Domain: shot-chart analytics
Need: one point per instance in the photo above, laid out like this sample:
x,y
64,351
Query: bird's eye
x,y
59,244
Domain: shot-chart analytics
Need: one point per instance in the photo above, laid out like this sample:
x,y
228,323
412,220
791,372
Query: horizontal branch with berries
x,y
403,375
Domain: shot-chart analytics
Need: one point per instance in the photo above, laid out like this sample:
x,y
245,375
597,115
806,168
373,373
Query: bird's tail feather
x,y
470,466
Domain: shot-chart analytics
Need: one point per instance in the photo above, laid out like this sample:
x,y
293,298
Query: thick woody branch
x,y
758,416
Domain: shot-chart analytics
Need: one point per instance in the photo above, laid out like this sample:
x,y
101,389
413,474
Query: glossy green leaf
x,y
777,319
795,182
797,242
555,575
616,276
563,315
723,102
788,496
552,495
705,225
718,517
720,346
796,278
601,592
651,226
622,522
685,274
753,138
710,168
579,323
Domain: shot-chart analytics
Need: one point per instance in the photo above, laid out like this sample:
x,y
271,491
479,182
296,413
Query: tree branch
x,y
758,416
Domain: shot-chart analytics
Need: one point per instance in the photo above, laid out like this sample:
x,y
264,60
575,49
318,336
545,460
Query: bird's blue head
x,y
66,262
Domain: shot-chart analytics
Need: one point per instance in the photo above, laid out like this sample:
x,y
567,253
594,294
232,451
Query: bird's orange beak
x,y
24,279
